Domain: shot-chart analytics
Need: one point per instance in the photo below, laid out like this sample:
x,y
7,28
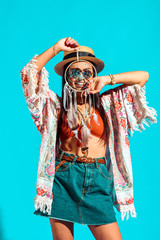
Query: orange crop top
x,y
96,130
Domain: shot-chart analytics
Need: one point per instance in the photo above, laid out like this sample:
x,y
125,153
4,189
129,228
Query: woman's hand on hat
x,y
98,83
68,44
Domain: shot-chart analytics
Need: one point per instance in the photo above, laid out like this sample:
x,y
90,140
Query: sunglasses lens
x,y
74,73
87,74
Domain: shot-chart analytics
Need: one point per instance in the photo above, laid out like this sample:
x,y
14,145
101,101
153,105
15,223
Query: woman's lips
x,y
80,84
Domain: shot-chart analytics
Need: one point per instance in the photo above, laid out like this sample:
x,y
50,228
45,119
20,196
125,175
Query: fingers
x,y
70,42
93,86
92,83
94,91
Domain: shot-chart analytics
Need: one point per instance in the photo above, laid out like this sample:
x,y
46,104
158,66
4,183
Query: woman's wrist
x,y
56,49
108,80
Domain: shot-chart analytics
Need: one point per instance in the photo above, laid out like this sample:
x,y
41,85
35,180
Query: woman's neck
x,y
81,99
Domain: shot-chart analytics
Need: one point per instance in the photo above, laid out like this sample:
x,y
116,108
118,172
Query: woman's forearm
x,y
139,77
44,57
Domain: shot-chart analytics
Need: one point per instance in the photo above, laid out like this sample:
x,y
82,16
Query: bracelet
x,y
112,79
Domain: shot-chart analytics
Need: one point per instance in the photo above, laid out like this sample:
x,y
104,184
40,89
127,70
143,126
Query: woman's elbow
x,y
146,76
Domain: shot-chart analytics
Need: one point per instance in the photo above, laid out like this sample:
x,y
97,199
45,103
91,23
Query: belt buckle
x,y
84,158
91,160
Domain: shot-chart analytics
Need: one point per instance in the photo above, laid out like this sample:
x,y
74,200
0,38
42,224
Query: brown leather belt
x,y
65,158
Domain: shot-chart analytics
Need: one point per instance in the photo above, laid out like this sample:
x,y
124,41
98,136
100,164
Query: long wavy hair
x,y
98,106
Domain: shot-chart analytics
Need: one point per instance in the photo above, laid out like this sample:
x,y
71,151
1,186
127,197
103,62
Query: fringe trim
x,y
43,203
32,73
31,69
148,113
43,92
126,209
43,84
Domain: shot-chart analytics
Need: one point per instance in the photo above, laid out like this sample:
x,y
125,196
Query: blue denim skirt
x,y
82,193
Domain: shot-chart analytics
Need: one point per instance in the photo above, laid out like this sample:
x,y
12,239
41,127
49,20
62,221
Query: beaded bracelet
x,y
112,79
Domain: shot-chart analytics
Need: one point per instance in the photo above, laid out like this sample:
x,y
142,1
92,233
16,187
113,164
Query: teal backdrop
x,y
126,36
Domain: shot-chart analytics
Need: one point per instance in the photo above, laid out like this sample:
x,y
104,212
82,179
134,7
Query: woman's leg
x,y
61,229
109,231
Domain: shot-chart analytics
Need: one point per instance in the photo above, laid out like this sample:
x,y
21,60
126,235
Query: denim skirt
x,y
82,193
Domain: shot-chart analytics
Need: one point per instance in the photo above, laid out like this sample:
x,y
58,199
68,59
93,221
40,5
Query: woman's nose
x,y
81,76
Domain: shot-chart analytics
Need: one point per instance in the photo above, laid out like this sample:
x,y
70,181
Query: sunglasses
x,y
76,72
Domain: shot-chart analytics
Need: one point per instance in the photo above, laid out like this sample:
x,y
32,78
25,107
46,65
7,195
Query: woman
x,y
83,173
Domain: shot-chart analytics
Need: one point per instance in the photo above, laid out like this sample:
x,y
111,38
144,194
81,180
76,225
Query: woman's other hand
x,y
97,83
68,44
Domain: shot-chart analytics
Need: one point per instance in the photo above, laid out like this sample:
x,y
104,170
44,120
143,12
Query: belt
x,y
65,158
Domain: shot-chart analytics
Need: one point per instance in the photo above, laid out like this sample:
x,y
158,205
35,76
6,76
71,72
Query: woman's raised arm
x,y
65,44
34,78
44,57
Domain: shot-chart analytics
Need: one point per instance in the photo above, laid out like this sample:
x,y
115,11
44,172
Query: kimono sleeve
x,y
131,103
39,97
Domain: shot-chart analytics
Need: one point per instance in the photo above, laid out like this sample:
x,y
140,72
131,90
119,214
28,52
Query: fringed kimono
x,y
126,109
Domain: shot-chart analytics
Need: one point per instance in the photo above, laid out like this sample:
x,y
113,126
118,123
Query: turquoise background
x,y
126,36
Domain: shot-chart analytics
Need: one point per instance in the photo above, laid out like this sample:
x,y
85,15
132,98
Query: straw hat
x,y
85,53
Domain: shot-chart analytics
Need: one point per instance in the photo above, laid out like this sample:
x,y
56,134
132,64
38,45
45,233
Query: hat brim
x,y
98,63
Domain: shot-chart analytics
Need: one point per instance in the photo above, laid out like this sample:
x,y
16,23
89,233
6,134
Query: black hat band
x,y
80,53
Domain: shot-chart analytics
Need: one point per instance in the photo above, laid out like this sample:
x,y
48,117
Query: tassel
x,y
126,209
90,104
72,116
88,113
31,68
43,84
85,135
43,203
75,106
148,114
76,134
94,113
65,95
70,98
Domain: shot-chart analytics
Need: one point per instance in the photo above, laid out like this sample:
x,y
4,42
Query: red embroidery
x,y
129,98
138,114
40,191
123,122
127,140
118,105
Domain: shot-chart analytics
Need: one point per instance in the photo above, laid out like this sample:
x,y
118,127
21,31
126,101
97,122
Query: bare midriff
x,y
96,147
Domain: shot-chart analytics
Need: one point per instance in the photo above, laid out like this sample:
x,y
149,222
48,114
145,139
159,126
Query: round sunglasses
x,y
76,73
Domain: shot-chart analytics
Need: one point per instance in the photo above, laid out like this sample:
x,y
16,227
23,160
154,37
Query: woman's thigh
x,y
109,231
62,229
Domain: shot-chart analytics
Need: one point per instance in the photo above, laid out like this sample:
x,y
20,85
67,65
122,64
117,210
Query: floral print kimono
x,y
127,110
